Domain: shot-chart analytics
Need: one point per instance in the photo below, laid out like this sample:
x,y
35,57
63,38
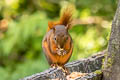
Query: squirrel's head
x,y
60,36
60,39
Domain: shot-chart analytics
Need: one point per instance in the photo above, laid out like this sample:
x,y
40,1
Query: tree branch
x,y
88,65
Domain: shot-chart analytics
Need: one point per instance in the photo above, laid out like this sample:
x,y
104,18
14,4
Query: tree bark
x,y
111,70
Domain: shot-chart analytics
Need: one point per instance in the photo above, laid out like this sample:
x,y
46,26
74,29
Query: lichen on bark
x,y
98,72
107,61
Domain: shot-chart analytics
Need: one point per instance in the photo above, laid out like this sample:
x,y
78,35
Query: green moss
x,y
103,60
98,72
109,61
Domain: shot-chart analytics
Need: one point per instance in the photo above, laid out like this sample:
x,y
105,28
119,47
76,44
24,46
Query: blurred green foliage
x,y
23,23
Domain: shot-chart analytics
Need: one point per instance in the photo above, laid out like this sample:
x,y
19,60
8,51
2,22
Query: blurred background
x,y
23,23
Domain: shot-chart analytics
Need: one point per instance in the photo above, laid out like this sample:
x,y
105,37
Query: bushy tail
x,y
65,18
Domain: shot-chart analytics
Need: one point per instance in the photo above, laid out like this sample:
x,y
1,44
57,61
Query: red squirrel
x,y
57,44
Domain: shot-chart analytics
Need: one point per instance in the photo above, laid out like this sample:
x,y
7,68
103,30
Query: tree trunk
x,y
111,70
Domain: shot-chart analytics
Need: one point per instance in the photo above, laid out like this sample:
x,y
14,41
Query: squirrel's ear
x,y
50,25
68,26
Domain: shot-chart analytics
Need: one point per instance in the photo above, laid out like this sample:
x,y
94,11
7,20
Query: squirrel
x,y
57,44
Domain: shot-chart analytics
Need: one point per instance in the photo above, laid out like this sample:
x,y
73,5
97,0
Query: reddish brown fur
x,y
65,19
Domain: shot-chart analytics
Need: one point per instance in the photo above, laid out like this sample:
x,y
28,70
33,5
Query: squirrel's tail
x,y
65,18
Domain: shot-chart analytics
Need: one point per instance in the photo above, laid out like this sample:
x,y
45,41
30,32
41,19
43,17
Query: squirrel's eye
x,y
55,38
